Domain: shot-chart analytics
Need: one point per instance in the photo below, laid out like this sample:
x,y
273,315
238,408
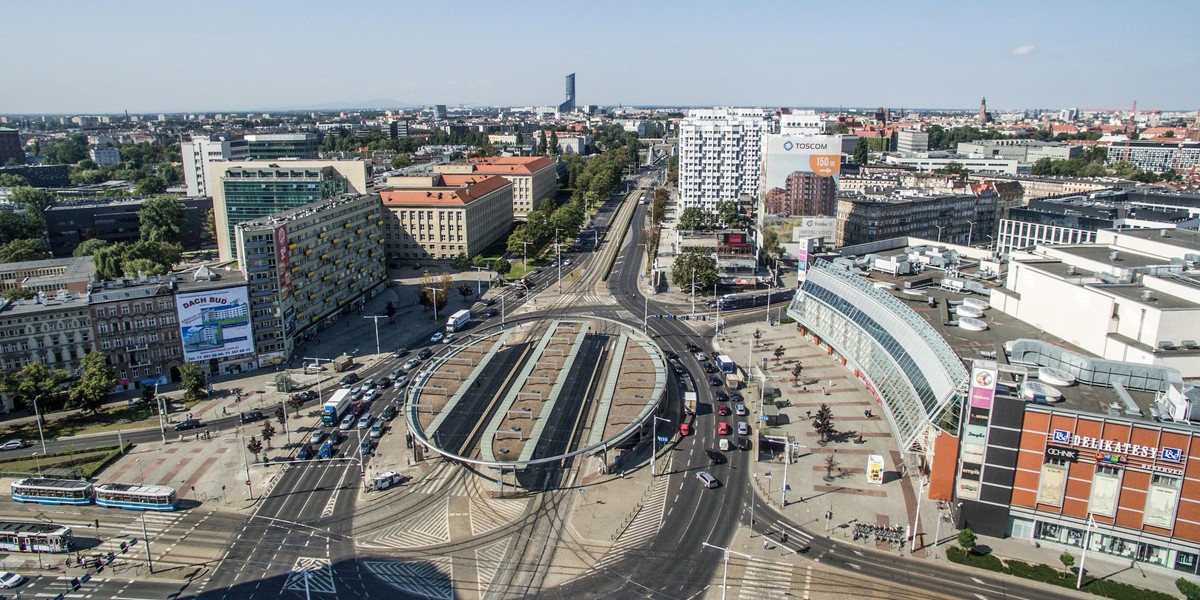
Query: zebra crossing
x,y
645,524
156,524
488,560
428,526
429,578
765,580
311,575
487,515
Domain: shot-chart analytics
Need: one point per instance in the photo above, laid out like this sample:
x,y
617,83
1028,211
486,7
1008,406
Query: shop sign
x,y
1069,454
971,471
1062,436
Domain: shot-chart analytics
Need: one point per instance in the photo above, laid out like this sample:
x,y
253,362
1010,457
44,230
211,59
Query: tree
x,y
192,381
401,161
694,219
831,463
281,416
552,145
150,186
953,168
461,262
465,291
162,219
12,180
95,381
23,250
502,267
770,240
967,539
18,294
89,247
823,423
296,401
254,446
796,371
1189,590
1067,559
778,354
268,432
435,291
540,149
703,263
35,381
861,153
34,200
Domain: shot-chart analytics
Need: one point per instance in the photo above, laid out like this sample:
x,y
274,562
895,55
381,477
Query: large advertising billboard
x,y
214,323
800,174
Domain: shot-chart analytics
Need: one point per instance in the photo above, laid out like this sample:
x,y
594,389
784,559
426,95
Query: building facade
x,y
962,219
1155,155
1076,219
135,324
443,216
105,156
533,178
912,140
199,153
308,267
272,146
11,150
1021,150
805,194
72,274
568,105
720,155
54,329
116,220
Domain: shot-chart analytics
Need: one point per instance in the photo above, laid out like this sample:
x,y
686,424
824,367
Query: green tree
x,y
462,261
797,369
96,380
150,186
861,153
552,146
255,447
1067,559
771,245
779,352
35,381
89,247
541,143
268,432
14,226
401,161
36,201
502,267
465,291
823,423
1189,590
18,294
12,180
694,219
967,539
727,211
703,263
953,168
23,250
162,219
192,381
520,139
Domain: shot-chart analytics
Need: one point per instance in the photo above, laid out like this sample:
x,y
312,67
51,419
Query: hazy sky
x,y
166,56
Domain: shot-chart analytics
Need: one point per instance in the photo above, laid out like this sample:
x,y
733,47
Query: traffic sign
x,y
662,439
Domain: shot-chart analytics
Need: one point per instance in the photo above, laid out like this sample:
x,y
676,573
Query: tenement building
x,y
443,216
962,219
52,329
135,325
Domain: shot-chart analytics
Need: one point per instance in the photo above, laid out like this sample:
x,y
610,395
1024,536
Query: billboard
x,y
875,469
214,323
812,227
800,174
983,387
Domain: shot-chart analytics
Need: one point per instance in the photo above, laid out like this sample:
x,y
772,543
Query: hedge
x,y
1047,574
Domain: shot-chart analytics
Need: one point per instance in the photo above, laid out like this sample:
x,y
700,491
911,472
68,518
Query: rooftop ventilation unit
x,y
1148,295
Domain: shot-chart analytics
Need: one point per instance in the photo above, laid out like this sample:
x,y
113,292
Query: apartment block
x,y
720,155
54,329
135,324
445,215
200,152
912,140
956,219
1155,155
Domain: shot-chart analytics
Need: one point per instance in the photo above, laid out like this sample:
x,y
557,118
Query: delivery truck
x,y
458,320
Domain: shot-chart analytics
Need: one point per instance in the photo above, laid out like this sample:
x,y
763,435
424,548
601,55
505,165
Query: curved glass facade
x,y
910,366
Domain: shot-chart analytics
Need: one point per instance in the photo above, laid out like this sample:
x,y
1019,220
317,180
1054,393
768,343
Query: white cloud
x,y
1023,50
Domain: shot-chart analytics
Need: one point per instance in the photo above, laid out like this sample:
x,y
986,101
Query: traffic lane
x,y
470,410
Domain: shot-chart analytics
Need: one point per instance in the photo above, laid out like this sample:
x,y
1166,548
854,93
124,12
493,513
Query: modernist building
x,y
1076,219
720,155
533,178
43,176
307,267
272,146
250,190
200,152
105,156
1023,151
11,150
568,106
1155,155
961,219
116,220
912,141
70,274
443,216
930,161
135,324
54,329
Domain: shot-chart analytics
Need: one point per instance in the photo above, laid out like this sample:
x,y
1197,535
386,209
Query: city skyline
x,y
933,55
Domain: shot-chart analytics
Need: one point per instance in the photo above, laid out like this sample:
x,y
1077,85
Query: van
x,y
723,444
707,479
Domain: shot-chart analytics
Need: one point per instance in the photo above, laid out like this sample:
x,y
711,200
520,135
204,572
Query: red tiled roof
x,y
455,190
511,165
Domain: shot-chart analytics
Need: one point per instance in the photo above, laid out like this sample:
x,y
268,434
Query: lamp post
x,y
693,292
1083,560
38,461
525,256
939,228
725,576
433,299
479,282
771,290
246,462
937,532
317,361
146,540
501,311
717,301
376,318
558,259
970,232
752,504
912,546
38,415
654,442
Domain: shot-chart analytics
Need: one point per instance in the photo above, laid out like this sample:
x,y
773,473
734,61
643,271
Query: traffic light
x,y
97,524
75,584
124,548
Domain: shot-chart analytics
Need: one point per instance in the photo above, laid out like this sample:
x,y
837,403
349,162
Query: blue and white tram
x,y
52,491
136,496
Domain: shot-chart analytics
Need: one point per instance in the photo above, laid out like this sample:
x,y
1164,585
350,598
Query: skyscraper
x,y
569,105
720,155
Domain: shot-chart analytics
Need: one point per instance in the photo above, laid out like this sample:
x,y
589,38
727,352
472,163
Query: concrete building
x,y
930,161
1034,187
720,155
911,141
116,220
11,150
250,190
445,215
43,176
105,156
1155,155
959,219
71,274
533,178
54,329
398,128
1023,151
270,146
568,106
199,153
308,267
135,324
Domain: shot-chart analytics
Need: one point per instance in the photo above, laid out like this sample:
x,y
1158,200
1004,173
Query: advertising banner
x,y
800,174
983,387
972,453
802,265
967,489
1052,485
283,258
875,469
975,434
214,324
813,227
1105,488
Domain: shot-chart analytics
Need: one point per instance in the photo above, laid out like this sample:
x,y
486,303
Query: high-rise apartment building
x,y
720,155
1155,155
442,216
250,190
10,147
569,105
200,152
267,146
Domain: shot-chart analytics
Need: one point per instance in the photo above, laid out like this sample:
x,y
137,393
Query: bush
x,y
1046,574
980,561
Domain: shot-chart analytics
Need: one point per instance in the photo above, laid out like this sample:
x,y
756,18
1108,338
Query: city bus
x,y
17,536
52,491
335,408
136,496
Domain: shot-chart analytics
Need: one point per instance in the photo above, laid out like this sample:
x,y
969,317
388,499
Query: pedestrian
x,y
766,544
207,435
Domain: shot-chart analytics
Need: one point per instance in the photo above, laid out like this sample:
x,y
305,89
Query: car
x,y
336,437
389,413
679,370
388,479
739,409
722,397
314,368
377,429
305,453
489,313
723,428
250,417
723,410
709,368
397,372
685,429
693,348
700,356
424,354
707,479
371,396
369,384
400,381
567,263
384,383
356,393
318,436
743,428
537,270
723,444
411,364
449,337
365,420
520,294
736,397
671,355
743,444
15,444
307,395
9,580
489,302
436,337
347,423
365,446
327,451
715,457
400,352
714,380
187,424
349,380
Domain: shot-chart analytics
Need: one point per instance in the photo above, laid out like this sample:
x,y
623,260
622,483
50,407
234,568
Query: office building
x,y
568,106
398,128
199,153
1155,155
720,155
1076,219
308,267
54,329
105,156
912,140
50,275
250,190
442,216
1025,152
959,219
43,176
11,151
270,146
931,161
69,224
533,178
135,324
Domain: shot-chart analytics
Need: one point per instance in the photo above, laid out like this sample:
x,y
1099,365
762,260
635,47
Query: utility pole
x,y
525,256
146,539
376,318
317,361
479,282
693,292
433,299
558,259
38,415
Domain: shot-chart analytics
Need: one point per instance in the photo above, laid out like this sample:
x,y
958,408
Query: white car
x,y
400,381
314,368
371,395
10,580
449,338
14,445
347,423
437,337
412,363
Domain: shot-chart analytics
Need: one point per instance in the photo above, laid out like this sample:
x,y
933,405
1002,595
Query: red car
x,y
724,429
685,429
723,410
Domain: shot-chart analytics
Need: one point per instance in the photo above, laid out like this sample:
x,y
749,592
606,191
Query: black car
x,y
249,417
400,352
715,457
489,302
722,397
384,383
309,395
489,313
714,380
693,348
708,368
736,397
424,354
305,453
188,424
350,379
671,355
679,370
743,444
389,413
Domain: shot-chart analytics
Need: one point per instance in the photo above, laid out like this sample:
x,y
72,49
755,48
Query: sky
x,y
156,56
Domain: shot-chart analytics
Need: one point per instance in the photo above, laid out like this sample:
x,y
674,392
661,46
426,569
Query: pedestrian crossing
x,y
488,514
644,526
428,526
311,575
488,560
430,578
765,580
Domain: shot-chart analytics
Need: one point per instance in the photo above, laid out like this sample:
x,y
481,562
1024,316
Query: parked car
x,y
739,409
707,479
436,337
314,368
250,416
187,424
389,413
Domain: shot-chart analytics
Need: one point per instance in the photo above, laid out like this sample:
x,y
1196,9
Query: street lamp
x,y
693,292
558,259
771,290
939,228
912,546
376,318
1083,560
146,540
479,282
501,311
38,461
38,415
970,232
317,362
433,299
525,256
654,442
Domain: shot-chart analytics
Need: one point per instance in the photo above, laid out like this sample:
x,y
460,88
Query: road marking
x,y
981,596
859,553
977,580
854,566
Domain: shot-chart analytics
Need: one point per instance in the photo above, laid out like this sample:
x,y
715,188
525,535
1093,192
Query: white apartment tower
x,y
720,155
203,150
